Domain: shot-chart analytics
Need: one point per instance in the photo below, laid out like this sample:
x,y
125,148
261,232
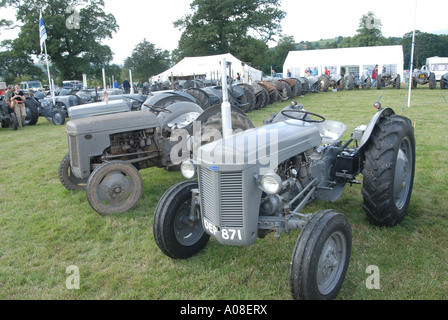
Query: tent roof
x,y
205,65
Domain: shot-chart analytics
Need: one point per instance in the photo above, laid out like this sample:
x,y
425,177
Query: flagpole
x,y
49,76
43,39
412,57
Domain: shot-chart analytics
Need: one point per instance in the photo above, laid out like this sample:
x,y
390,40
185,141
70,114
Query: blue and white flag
x,y
42,32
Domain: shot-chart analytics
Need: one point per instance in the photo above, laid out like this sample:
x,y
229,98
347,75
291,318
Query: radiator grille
x,y
231,185
222,198
73,144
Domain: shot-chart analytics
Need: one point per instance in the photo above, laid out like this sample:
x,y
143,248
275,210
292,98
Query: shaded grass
x,y
45,228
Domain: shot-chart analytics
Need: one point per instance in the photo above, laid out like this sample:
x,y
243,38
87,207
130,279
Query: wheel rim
x,y
403,173
115,189
331,262
57,118
187,232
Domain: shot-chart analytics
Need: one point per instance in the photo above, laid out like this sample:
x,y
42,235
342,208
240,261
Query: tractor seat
x,y
331,131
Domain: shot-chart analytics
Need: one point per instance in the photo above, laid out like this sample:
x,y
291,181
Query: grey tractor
x,y
109,144
242,187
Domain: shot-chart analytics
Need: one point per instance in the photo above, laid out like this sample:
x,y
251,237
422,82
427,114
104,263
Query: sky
x,y
306,20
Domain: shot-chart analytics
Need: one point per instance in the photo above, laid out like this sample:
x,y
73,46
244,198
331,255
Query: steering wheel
x,y
304,117
157,108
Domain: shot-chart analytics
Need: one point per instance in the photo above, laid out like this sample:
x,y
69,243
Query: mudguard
x,y
180,114
369,129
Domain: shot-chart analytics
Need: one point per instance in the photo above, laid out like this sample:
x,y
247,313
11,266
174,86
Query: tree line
x,y
76,29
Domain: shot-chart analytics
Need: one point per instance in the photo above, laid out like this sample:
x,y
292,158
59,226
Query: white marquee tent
x,y
210,68
354,60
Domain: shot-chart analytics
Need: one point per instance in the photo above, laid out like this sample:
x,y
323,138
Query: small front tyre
x,y
177,227
321,257
114,187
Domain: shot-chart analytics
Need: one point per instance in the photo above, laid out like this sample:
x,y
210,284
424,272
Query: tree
x,y
75,29
220,26
147,60
281,51
254,52
16,65
426,45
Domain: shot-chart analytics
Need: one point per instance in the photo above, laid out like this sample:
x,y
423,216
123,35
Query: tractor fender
x,y
375,119
182,113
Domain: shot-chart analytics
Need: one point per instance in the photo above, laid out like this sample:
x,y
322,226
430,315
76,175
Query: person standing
x,y
8,95
18,102
126,86
374,75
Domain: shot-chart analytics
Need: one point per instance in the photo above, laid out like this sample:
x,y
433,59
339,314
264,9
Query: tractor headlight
x,y
271,183
188,169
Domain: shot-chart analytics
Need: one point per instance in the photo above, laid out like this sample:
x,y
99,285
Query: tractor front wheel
x,y
177,226
114,187
321,257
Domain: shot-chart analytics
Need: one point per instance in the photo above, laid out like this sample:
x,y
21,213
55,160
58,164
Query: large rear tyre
x,y
324,83
349,82
321,257
68,180
114,187
212,129
32,111
389,171
432,81
15,122
177,227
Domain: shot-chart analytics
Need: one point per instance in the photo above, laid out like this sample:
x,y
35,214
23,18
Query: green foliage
x,y
16,65
427,45
218,27
280,52
147,60
75,29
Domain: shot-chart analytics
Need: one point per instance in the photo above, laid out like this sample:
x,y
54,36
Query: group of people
x,y
15,101
311,73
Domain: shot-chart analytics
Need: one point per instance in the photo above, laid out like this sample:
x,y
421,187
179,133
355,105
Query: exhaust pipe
x,y
225,107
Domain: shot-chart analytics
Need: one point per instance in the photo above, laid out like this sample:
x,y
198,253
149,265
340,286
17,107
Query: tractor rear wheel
x,y
324,83
349,82
321,257
432,81
32,111
68,180
14,122
389,171
213,129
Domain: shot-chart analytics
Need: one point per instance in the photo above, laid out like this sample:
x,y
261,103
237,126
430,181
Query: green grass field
x,y
44,228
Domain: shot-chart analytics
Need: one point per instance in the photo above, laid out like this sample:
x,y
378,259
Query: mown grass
x,y
45,228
